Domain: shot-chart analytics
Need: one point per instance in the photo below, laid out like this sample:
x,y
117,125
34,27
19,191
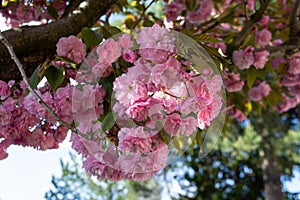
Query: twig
x,y
248,26
34,93
280,48
246,10
143,13
73,4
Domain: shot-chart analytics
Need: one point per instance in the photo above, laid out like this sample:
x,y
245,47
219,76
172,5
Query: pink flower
x,y
251,4
175,125
290,80
139,110
194,17
209,112
84,146
102,69
173,10
264,20
172,124
109,51
236,114
261,58
4,90
71,47
93,166
134,140
243,59
125,41
294,64
263,37
140,167
166,74
155,43
200,15
287,103
257,93
206,8
129,56
232,82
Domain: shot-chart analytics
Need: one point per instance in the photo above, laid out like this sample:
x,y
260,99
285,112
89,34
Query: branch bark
x,y
33,44
256,17
294,25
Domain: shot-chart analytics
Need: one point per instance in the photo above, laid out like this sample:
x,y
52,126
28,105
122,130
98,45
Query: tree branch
x,y
294,25
34,93
73,4
256,17
33,44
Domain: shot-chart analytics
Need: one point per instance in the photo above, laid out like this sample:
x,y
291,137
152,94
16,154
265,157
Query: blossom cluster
x,y
244,59
22,12
23,121
158,94
201,11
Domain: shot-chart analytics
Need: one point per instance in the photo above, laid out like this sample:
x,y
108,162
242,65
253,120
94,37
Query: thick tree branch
x,y
256,17
294,36
36,43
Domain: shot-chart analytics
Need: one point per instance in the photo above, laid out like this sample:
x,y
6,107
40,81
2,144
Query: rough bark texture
x,y
33,44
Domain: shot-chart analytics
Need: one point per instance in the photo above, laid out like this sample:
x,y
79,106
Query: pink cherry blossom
x,y
4,90
260,91
287,103
243,59
263,37
294,64
71,47
166,74
125,41
261,58
194,17
134,140
264,20
139,109
290,80
232,82
236,114
155,43
108,52
129,56
174,9
206,7
175,125
209,112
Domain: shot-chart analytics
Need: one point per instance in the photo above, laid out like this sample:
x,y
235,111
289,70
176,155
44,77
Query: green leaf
x,y
199,138
109,31
108,121
251,76
204,37
165,137
52,11
214,53
91,38
36,77
55,76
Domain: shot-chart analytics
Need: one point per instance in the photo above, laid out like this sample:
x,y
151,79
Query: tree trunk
x,y
271,177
